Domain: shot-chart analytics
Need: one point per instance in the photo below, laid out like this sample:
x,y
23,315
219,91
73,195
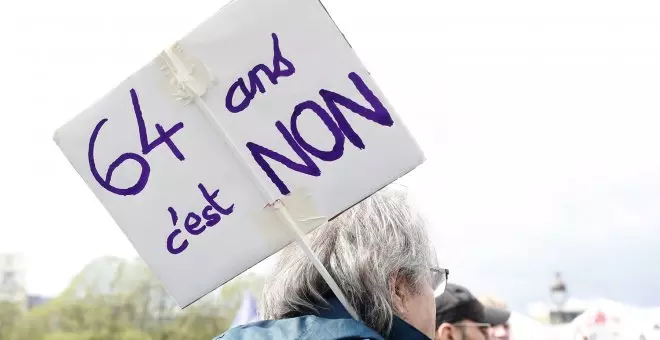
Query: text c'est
x,y
211,214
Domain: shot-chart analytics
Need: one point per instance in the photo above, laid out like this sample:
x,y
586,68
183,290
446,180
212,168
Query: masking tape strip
x,y
190,80
300,206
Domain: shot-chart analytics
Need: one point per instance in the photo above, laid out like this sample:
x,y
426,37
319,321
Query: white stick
x,y
304,244
183,74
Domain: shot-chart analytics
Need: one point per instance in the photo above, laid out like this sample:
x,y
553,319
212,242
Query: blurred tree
x,y
116,299
10,314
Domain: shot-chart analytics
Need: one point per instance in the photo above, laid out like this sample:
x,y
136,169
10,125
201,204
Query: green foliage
x,y
114,299
10,314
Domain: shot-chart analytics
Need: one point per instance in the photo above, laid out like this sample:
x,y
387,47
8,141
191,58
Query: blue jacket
x,y
332,324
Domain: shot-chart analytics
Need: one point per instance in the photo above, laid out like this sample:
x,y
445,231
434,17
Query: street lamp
x,y
559,296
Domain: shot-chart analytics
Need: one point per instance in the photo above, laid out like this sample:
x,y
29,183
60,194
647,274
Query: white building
x,y
12,279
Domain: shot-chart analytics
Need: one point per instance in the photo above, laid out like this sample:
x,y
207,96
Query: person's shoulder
x,y
302,328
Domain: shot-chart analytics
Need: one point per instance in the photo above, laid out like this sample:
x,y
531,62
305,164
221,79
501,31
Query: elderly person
x,y
380,255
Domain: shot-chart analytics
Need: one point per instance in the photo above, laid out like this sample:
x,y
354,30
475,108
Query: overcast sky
x,y
539,121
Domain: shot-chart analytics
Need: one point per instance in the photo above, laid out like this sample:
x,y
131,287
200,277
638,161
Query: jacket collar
x,y
400,329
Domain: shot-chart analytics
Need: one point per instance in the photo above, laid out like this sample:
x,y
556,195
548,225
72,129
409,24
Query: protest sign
x,y
275,104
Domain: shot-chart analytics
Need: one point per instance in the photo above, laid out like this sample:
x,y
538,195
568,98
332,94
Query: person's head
x,y
460,316
500,330
380,255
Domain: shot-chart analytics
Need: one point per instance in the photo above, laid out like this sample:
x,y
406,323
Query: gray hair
x,y
363,249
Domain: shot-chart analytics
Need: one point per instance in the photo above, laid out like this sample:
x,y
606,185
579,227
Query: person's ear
x,y
444,332
400,293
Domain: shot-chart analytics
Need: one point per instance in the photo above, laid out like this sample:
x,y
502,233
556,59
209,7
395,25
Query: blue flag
x,y
247,313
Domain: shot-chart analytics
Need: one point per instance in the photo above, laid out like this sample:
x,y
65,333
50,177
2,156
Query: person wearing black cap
x,y
497,331
460,316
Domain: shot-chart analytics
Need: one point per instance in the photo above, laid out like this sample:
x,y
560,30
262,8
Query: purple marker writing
x,y
339,128
211,215
255,83
147,147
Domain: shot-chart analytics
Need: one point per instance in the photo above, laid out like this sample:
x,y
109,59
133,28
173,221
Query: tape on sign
x,y
188,77
301,208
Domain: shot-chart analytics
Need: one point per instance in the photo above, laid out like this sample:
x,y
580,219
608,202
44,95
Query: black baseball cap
x,y
457,304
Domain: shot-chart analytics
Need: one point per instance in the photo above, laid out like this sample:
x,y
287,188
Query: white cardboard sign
x,y
292,113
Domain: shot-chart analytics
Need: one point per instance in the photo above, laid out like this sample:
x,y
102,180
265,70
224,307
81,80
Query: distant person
x,y
460,316
380,254
497,331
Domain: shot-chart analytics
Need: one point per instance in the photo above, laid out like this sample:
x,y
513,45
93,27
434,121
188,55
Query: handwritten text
x,y
147,147
212,214
340,129
255,83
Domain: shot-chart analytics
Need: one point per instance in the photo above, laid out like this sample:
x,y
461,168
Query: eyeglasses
x,y
475,324
483,327
439,279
